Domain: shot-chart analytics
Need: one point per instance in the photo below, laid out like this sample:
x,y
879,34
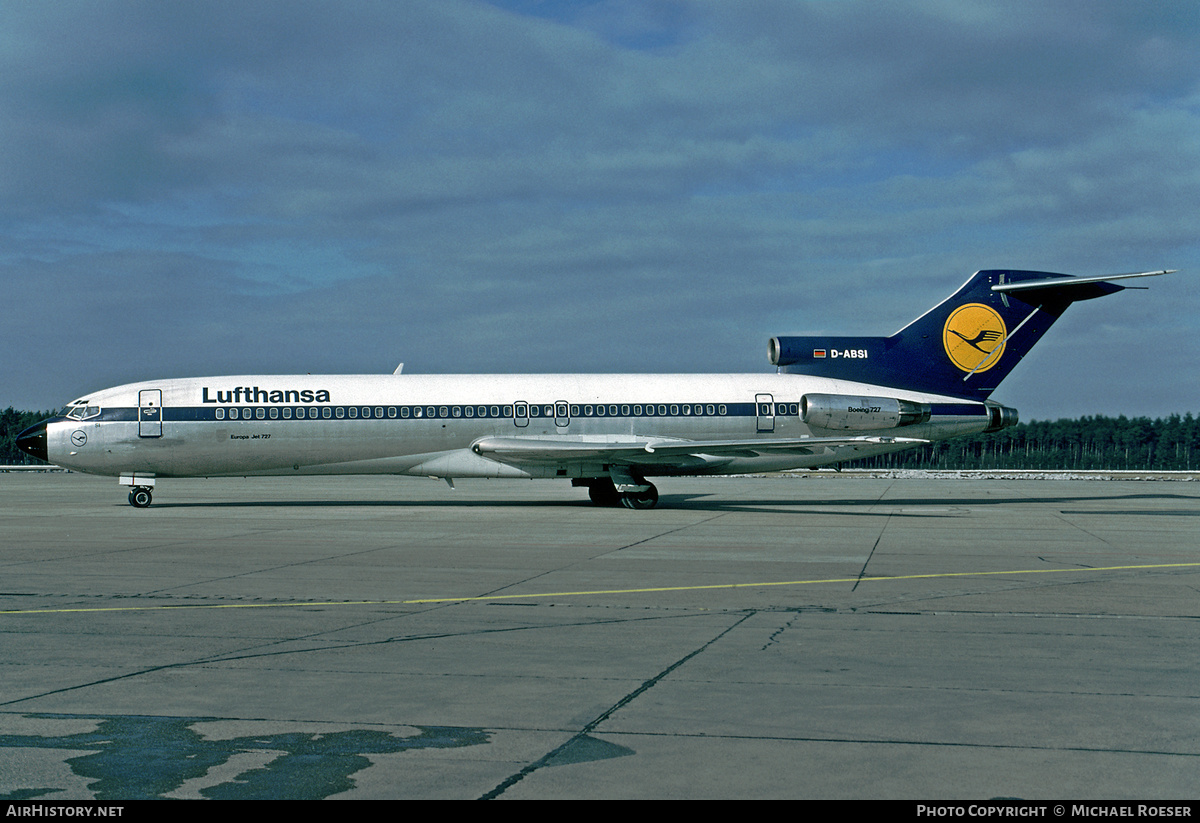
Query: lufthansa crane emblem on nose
x,y
78,438
974,337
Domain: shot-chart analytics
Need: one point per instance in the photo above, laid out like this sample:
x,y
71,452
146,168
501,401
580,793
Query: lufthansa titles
x,y
253,394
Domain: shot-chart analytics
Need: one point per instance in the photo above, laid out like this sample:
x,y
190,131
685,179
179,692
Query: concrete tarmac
x,y
821,637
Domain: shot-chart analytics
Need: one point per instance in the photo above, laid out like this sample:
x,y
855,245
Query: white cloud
x,y
621,185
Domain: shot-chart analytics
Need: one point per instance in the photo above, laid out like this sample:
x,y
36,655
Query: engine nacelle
x,y
781,351
825,352
847,412
1000,417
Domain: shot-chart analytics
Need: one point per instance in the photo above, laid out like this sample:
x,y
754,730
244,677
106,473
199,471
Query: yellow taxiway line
x,y
650,590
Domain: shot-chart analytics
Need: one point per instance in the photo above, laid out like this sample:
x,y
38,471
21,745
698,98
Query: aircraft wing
x,y
649,451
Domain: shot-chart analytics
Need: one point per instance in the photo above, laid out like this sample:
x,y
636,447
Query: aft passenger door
x,y
765,410
150,413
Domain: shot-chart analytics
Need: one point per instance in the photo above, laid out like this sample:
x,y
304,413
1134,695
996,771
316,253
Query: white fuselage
x,y
426,425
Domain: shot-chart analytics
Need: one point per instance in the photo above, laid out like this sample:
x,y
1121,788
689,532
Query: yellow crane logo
x,y
974,337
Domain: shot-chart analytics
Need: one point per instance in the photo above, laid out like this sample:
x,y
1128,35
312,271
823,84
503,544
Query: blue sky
x,y
205,188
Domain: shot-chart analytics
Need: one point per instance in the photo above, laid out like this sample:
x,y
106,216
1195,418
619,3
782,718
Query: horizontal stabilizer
x,y
1070,289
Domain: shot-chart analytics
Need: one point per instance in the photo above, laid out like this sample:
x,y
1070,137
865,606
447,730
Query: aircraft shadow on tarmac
x,y
707,502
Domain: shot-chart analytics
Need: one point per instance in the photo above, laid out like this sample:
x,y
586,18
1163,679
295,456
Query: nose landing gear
x,y
141,488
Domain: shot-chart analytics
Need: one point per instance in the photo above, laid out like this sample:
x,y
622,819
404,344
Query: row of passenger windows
x,y
517,410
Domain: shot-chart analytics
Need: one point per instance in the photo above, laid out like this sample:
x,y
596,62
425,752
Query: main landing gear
x,y
603,492
140,497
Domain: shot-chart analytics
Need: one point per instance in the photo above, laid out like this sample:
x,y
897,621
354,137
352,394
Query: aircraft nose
x,y
32,441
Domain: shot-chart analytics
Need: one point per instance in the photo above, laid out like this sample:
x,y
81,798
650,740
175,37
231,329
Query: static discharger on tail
x,y
831,399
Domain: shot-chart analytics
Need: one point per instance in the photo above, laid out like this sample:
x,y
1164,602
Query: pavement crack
x,y
586,731
863,571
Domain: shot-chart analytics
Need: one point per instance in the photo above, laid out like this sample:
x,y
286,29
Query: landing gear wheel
x,y
140,497
641,500
603,493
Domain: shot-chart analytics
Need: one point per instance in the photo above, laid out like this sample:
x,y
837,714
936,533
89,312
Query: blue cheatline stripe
x,y
413,413
437,411
958,409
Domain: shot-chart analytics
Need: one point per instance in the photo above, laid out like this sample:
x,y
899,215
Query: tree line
x,y
1112,443
1095,442
12,423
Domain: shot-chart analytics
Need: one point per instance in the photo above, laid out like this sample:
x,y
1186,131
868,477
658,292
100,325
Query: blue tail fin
x,y
963,347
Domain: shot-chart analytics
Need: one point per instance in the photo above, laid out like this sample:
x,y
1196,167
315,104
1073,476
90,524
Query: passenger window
x,y
220,414
274,413
353,412
260,413
325,412
287,413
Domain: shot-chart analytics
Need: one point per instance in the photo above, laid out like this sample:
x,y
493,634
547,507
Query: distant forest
x,y
12,423
1114,443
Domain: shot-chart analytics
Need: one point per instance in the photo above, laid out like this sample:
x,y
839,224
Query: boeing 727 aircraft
x,y
831,399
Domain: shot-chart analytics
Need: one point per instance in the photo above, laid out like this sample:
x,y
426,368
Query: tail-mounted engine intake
x,y
851,413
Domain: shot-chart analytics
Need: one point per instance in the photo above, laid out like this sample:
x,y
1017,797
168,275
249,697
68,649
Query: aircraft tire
x,y
641,500
603,493
140,498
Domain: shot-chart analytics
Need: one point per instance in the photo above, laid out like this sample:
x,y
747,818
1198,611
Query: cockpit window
x,y
81,411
